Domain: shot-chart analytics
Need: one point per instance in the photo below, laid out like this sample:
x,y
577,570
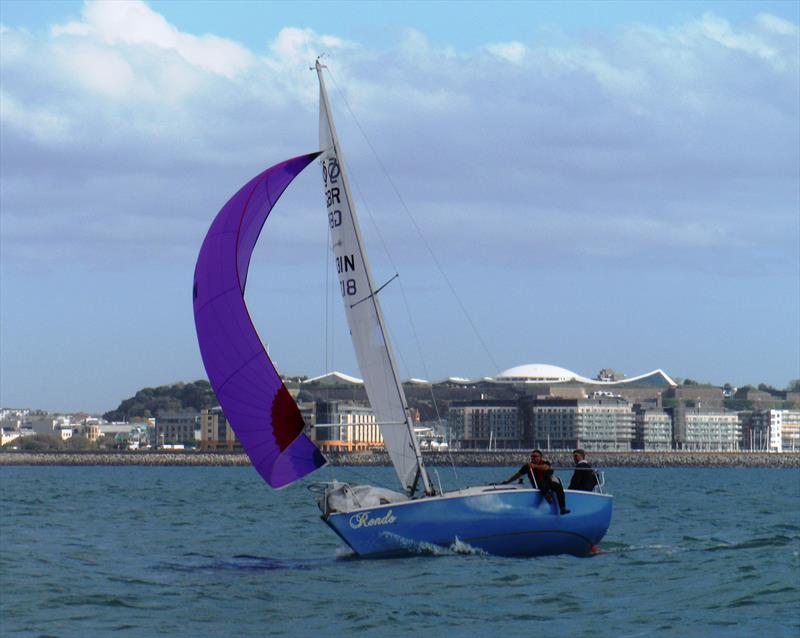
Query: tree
x,y
150,402
41,443
78,442
690,382
794,385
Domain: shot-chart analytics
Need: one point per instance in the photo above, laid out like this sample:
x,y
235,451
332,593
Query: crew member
x,y
540,474
584,477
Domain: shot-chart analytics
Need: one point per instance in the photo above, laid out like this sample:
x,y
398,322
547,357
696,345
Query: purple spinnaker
x,y
252,395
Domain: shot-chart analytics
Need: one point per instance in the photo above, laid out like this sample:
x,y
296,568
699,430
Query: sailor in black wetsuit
x,y
540,474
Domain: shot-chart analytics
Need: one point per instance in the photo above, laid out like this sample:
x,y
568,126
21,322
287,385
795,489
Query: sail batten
x,y
250,391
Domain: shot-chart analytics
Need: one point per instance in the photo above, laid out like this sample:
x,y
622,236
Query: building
x,y
92,432
772,430
215,431
536,373
11,423
596,424
755,430
485,424
758,398
652,429
537,381
44,424
695,396
345,426
176,427
706,431
790,430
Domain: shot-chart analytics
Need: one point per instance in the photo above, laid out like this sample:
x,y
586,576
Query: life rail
x,y
599,475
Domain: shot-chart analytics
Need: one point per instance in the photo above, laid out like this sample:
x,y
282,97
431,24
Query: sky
x,y
589,185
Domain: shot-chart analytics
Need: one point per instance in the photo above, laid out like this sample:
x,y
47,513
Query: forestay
x,y
362,308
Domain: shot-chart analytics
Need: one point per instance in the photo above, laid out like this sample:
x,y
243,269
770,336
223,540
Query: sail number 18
x,y
348,287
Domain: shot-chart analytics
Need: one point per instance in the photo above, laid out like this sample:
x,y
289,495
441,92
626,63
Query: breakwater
x,y
464,458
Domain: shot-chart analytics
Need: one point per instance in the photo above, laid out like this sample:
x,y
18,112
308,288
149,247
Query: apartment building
x,y
706,431
345,426
485,424
605,423
215,431
652,429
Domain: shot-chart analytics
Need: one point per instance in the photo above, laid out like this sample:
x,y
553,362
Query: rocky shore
x,y
500,458
598,459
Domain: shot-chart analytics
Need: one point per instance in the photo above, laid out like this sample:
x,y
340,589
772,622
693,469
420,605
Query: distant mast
x,y
364,316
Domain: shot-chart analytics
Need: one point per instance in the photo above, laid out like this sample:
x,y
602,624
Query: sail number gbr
x,y
333,194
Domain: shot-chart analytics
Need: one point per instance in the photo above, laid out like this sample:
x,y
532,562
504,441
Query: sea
x,y
212,551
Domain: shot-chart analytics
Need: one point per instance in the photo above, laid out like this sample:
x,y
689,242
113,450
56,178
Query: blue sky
x,y
605,185
464,25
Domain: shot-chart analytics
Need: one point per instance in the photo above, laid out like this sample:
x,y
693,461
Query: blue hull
x,y
499,521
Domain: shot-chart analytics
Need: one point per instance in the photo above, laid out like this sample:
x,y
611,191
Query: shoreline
x,y
478,458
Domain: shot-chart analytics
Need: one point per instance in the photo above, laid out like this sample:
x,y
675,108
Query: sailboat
x,y
505,520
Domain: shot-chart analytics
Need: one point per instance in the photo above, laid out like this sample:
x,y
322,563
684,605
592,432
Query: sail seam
x,y
217,296
235,372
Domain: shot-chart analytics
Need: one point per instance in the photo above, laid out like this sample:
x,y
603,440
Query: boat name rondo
x,y
363,520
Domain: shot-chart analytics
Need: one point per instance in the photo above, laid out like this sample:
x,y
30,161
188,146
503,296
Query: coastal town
x,y
527,406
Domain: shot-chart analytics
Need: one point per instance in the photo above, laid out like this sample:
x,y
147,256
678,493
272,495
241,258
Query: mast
x,y
364,316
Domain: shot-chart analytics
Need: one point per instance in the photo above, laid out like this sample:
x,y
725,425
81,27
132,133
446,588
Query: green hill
x,y
150,402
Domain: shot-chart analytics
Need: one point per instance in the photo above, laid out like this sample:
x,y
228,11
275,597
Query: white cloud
x,y
132,22
295,47
659,153
513,52
38,123
721,32
777,25
634,126
99,69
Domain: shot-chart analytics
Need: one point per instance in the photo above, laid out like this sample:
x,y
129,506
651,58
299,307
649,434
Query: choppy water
x,y
146,551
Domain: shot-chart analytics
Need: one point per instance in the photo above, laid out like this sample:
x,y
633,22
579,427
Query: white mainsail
x,y
364,317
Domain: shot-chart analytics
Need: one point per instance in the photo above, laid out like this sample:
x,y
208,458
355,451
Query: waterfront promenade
x,y
463,458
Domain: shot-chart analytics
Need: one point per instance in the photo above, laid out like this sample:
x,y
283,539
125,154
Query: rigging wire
x,y
407,306
416,227
327,287
332,290
404,296
368,480
410,319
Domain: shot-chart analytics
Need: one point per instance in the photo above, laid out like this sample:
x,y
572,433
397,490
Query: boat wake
x,y
460,547
242,562
690,544
410,547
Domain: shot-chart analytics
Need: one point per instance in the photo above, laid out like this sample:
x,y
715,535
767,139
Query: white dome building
x,y
537,373
546,373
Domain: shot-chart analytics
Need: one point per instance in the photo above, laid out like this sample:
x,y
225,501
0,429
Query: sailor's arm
x,y
544,466
519,473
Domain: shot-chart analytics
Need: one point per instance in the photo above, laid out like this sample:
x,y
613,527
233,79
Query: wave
x,y
770,541
241,562
694,544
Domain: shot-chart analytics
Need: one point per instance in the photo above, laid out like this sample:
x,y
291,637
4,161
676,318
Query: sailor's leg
x,y
559,490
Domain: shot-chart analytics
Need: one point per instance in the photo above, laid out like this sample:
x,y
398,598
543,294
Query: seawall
x,y
502,458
